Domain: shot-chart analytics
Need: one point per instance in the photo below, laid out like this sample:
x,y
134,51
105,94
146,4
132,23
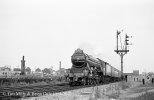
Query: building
x,y
37,74
136,72
134,76
23,66
6,72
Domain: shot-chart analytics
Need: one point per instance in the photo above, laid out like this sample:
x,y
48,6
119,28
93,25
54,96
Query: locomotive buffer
x,y
122,51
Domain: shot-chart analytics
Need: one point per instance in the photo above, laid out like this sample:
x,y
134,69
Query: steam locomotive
x,y
87,70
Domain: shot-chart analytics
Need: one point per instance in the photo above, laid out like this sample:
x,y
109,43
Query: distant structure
x,y
136,72
23,66
60,67
6,72
134,76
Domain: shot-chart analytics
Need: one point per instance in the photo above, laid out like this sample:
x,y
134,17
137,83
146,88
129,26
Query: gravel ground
x,y
90,93
113,91
137,91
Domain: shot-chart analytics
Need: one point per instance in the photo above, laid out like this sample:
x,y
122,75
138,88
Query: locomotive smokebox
x,y
78,58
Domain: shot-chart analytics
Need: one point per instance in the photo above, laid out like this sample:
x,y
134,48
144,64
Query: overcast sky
x,y
48,31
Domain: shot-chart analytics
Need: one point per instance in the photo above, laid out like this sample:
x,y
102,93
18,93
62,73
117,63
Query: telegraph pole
x,y
122,51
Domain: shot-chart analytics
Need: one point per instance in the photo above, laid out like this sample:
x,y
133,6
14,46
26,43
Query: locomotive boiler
x,y
87,69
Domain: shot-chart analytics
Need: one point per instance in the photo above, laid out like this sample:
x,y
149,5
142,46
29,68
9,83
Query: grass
x,y
112,91
124,85
146,96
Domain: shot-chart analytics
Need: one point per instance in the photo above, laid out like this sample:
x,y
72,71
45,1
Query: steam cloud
x,y
95,51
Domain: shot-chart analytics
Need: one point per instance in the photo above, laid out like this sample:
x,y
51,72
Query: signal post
x,y
122,51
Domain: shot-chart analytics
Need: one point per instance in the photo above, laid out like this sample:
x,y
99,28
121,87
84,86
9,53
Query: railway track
x,y
30,91
9,93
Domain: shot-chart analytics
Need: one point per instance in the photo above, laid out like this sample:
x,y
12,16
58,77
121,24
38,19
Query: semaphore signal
x,y
122,51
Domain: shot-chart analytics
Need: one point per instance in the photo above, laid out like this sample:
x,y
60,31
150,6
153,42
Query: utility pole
x,y
122,51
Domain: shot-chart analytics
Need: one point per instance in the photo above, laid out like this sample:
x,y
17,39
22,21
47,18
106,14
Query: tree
x,y
46,70
150,74
28,70
51,70
38,70
63,71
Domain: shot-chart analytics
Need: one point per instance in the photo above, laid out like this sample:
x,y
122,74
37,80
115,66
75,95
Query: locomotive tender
x,y
89,70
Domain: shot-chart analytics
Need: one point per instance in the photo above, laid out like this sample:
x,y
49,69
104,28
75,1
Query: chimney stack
x,y
60,67
23,66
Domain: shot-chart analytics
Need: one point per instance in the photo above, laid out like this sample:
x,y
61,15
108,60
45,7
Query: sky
x,y
49,31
